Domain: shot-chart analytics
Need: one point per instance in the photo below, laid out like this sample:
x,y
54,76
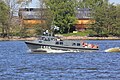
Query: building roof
x,y
35,13
31,9
31,13
83,13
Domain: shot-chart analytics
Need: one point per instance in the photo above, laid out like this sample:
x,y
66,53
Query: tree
x,y
117,26
3,17
90,3
63,13
100,16
12,11
105,16
45,18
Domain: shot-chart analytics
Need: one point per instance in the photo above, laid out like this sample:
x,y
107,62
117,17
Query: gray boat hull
x,y
40,47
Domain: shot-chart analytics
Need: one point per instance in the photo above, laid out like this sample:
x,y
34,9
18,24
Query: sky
x,y
34,3
115,1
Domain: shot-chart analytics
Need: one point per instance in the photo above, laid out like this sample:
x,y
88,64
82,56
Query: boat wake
x,y
116,49
56,51
49,50
29,51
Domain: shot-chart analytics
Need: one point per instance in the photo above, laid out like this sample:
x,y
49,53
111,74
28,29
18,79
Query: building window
x,y
52,39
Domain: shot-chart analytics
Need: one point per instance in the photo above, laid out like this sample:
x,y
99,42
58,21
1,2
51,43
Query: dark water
x,y
16,63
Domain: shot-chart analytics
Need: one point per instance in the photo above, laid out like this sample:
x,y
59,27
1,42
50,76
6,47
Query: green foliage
x,y
63,13
4,18
105,15
107,19
117,26
7,10
82,33
39,29
90,3
3,12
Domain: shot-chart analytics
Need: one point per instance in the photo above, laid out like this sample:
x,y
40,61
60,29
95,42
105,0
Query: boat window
x,y
40,41
43,38
40,38
61,43
74,44
48,39
52,38
78,44
57,42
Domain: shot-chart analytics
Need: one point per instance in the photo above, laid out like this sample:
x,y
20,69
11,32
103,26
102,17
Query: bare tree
x,y
13,10
45,17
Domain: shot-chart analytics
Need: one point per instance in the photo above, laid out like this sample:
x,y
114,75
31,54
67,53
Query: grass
x,y
80,33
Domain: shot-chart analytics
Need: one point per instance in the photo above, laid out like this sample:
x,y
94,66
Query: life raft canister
x,y
90,45
84,44
95,46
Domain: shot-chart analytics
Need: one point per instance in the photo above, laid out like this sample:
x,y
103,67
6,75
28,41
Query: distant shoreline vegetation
x,y
65,37
106,18
70,36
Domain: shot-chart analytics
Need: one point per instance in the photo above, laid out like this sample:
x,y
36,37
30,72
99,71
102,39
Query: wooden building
x,y
84,19
32,16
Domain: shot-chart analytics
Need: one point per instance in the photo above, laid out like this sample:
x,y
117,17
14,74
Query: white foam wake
x,y
29,51
49,50
116,49
56,51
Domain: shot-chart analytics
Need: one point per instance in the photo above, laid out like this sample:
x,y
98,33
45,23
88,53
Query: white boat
x,y
49,44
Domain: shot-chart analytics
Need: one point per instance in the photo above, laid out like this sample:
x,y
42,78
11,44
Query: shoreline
x,y
18,39
63,38
90,38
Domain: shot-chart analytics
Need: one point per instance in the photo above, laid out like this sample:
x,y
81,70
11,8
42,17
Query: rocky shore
x,y
90,38
18,38
64,38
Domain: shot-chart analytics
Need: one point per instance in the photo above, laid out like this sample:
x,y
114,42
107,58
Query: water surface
x,y
16,63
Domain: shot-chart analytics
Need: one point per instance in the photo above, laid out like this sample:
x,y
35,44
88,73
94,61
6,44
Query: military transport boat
x,y
48,43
